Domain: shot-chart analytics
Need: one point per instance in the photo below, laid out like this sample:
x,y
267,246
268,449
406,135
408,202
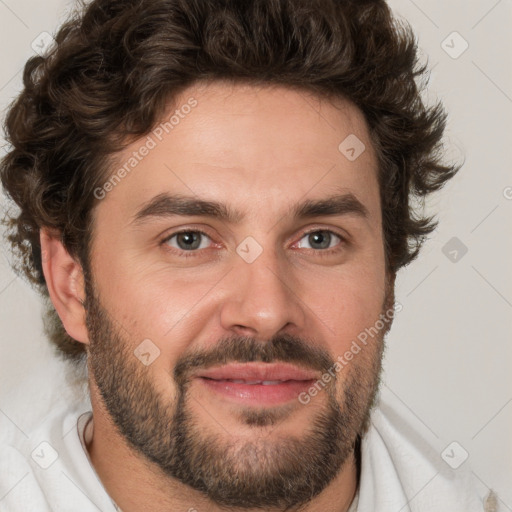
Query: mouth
x,y
251,382
259,384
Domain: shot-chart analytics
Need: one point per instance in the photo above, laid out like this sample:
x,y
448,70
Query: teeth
x,y
264,382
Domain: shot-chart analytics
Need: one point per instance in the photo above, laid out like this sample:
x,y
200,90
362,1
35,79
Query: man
x,y
215,198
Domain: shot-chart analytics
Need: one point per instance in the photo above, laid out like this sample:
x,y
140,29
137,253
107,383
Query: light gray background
x,y
450,350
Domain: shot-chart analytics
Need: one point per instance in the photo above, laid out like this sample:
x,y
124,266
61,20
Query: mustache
x,y
245,349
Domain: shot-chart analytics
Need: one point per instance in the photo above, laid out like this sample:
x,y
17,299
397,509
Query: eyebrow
x,y
167,205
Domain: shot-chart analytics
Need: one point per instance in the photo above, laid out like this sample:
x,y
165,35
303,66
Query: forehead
x,y
258,147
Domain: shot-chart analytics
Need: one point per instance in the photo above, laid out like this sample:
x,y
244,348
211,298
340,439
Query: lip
x,y
257,394
259,372
283,382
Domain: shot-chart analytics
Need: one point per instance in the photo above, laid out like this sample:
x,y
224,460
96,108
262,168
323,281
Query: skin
x,y
260,150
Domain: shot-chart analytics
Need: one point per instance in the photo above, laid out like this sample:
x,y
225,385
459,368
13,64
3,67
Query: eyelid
x,y
328,230
344,239
166,238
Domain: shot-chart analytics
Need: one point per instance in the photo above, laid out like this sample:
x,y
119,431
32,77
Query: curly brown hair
x,y
117,64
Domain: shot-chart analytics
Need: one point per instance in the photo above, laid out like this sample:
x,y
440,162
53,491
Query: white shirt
x,y
50,470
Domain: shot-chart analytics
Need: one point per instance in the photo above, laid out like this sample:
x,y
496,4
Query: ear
x,y
65,281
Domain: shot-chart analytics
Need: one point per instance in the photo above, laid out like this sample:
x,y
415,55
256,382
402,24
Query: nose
x,y
262,298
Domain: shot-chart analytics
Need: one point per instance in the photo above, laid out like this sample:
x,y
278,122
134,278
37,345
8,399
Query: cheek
x,y
169,307
147,296
346,304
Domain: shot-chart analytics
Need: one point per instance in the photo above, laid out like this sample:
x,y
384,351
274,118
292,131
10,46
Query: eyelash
x,y
184,254
194,253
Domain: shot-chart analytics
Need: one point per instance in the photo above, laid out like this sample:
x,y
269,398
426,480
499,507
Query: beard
x,y
272,471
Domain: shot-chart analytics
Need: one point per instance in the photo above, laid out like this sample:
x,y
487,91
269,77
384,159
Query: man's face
x,y
174,319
